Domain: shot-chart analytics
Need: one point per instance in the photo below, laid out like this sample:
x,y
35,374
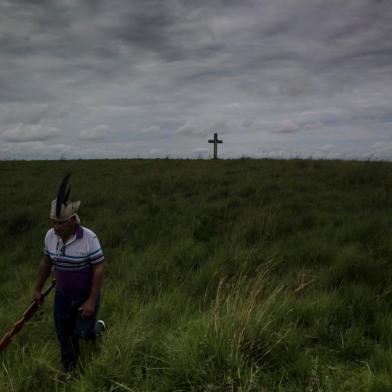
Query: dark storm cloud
x,y
308,73
147,28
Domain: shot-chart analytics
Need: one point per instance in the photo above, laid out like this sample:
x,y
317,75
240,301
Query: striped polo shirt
x,y
73,261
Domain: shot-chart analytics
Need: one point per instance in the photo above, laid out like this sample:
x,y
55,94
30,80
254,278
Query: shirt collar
x,y
79,233
76,236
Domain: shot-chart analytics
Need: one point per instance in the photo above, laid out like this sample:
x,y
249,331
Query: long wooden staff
x,y
27,314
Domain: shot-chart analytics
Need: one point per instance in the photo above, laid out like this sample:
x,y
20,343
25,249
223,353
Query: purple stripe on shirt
x,y
73,283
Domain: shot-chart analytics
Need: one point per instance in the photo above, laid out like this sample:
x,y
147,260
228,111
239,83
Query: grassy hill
x,y
240,275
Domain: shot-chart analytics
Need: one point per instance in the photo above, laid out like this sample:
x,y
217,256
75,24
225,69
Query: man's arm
x,y
44,270
88,307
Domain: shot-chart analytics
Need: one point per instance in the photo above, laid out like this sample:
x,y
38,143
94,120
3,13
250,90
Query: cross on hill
x,y
215,141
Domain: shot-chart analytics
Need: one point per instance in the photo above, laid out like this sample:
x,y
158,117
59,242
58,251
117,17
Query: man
x,y
74,254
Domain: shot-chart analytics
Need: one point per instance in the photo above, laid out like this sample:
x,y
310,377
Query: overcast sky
x,y
144,78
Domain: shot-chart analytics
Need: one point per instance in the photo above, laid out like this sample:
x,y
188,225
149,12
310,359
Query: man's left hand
x,y
87,308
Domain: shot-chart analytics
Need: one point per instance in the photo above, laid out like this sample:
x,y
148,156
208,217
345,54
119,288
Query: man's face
x,y
64,228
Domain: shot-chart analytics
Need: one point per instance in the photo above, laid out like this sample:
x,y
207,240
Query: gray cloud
x,y
150,130
195,128
97,133
27,133
191,127
287,127
12,113
278,74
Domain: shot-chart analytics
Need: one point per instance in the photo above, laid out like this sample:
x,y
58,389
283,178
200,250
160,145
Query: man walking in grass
x,y
74,254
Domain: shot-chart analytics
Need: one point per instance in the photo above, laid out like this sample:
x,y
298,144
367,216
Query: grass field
x,y
237,275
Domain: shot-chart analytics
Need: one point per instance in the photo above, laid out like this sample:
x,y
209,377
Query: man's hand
x,y
38,297
88,308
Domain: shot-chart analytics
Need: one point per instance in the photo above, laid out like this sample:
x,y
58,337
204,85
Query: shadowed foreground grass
x,y
244,275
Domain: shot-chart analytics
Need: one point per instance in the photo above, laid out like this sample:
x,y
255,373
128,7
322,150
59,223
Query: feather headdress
x,y
61,208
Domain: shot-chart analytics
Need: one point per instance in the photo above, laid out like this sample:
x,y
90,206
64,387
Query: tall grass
x,y
249,275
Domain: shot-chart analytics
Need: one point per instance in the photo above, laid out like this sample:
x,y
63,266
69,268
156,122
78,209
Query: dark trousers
x,y
70,327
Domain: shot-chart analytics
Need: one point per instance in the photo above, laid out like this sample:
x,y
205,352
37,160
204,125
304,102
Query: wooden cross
x,y
215,141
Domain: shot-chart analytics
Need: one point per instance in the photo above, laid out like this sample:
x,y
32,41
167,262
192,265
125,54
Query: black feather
x,y
62,195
